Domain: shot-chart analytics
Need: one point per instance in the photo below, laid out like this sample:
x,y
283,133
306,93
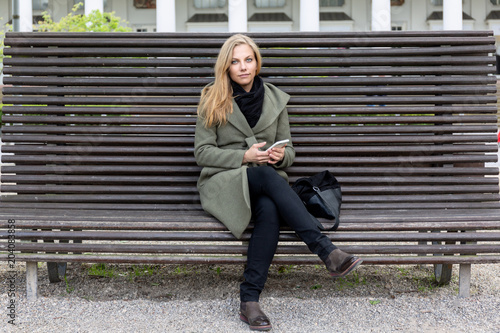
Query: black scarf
x,y
250,103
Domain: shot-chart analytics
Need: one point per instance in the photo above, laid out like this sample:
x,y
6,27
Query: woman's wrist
x,y
245,157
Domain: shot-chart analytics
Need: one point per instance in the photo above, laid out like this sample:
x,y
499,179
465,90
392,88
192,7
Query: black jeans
x,y
274,202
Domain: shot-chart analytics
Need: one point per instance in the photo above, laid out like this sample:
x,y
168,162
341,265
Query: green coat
x,y
223,183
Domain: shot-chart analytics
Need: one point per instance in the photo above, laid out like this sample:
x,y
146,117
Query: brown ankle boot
x,y
251,314
340,263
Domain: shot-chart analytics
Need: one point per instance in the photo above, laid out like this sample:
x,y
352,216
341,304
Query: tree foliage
x,y
94,22
7,27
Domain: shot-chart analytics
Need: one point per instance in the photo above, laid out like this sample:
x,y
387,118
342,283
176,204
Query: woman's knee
x,y
264,172
265,210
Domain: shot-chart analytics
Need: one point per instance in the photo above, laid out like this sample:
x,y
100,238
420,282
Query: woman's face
x,y
243,66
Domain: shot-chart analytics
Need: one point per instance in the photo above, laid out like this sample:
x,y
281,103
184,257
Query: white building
x,y
275,15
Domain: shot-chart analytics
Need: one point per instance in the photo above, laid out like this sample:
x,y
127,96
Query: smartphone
x,y
278,144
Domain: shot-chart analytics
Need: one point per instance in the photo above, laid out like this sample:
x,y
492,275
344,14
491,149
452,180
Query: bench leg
x,y
422,254
31,280
464,280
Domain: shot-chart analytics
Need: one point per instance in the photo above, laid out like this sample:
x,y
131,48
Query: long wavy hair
x,y
216,101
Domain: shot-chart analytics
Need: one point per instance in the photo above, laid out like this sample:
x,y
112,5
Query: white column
x,y
91,5
479,9
452,15
381,15
237,16
165,15
25,16
309,15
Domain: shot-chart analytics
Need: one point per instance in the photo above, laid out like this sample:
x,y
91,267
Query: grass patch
x,y
184,270
100,270
286,269
141,270
351,281
69,289
316,287
217,269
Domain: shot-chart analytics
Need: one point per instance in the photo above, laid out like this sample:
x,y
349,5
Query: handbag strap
x,y
336,212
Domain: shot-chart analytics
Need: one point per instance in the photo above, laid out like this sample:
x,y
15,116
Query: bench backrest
x,y
106,121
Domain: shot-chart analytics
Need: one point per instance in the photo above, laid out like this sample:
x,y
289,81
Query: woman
x,y
238,117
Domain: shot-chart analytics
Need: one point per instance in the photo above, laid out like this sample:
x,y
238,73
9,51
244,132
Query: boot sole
x,y
348,270
255,328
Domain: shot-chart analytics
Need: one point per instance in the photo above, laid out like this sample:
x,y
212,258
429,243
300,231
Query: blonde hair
x,y
216,101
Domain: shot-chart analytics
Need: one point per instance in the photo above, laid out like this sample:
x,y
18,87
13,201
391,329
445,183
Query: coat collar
x,y
275,101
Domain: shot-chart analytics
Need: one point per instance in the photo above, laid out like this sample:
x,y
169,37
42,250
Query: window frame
x,y
331,6
209,4
260,4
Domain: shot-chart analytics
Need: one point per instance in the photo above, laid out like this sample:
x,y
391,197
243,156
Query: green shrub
x,y
94,22
7,27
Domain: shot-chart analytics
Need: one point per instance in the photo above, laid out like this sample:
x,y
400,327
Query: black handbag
x,y
322,196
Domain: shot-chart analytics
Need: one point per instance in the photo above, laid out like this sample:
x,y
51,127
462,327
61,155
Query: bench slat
x,y
269,62
154,91
168,189
225,35
360,199
127,204
167,179
299,142
299,161
322,133
266,71
304,150
294,170
205,223
145,259
266,53
269,41
293,110
279,81
435,217
340,100
209,236
171,120
242,249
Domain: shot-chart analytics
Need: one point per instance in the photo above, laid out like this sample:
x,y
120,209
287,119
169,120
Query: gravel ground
x,y
187,298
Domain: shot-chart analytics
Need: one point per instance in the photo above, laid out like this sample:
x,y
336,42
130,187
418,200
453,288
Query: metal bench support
x,y
464,280
31,280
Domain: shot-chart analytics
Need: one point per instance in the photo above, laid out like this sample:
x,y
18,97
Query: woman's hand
x,y
255,155
276,155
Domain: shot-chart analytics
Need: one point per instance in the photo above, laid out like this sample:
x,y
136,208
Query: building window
x,y
145,4
203,4
40,5
270,3
439,3
104,3
495,2
398,26
331,3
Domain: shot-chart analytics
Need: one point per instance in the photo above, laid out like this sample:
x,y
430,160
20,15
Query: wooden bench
x,y
98,133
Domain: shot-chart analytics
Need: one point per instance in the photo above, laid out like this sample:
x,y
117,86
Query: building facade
x,y
273,15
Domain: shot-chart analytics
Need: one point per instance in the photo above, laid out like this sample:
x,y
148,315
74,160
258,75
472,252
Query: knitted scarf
x,y
250,103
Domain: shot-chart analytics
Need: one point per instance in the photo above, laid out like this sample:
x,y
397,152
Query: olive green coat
x,y
223,183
